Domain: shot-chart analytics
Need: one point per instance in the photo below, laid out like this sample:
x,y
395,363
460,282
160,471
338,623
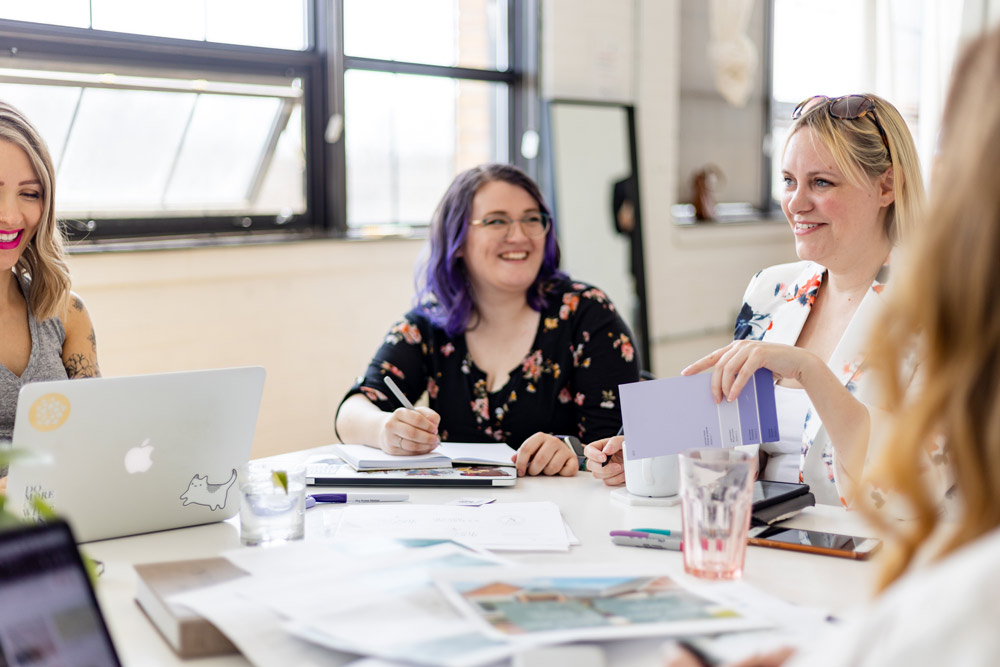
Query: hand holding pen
x,y
605,460
408,430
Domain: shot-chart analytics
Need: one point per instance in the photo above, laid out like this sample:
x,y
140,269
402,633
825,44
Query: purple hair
x,y
444,292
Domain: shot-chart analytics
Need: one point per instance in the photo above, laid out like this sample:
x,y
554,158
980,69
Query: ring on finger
x,y
400,445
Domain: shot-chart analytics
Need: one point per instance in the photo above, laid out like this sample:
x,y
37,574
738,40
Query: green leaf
x,y
280,478
43,509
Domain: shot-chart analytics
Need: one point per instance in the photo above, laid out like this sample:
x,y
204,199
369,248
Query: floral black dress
x,y
566,385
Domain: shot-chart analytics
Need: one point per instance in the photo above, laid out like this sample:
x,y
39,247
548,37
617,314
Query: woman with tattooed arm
x,y
45,330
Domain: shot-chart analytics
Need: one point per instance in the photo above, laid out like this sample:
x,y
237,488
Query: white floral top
x,y
775,308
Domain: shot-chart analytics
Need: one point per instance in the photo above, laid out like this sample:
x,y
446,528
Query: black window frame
x,y
522,98
320,66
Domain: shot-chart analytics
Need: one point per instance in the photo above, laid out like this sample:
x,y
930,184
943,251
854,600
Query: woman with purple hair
x,y
506,346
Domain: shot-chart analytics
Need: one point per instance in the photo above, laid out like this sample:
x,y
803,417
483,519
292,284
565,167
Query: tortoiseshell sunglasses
x,y
846,107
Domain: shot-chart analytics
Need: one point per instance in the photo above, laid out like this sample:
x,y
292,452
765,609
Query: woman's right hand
x,y
408,432
610,450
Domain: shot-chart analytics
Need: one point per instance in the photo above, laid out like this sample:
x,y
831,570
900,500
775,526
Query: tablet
x,y
48,612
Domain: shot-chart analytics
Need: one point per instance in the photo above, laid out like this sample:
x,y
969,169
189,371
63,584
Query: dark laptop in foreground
x,y
128,455
48,612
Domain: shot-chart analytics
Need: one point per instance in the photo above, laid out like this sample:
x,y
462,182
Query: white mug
x,y
655,477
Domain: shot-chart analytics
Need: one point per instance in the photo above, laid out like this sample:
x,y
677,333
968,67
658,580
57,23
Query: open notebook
x,y
447,454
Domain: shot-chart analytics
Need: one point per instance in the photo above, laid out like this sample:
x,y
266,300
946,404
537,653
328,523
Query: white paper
x,y
536,526
256,630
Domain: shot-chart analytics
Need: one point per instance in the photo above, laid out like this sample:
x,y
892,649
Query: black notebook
x,y
776,501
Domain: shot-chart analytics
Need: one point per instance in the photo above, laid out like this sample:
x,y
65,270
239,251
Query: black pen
x,y
621,431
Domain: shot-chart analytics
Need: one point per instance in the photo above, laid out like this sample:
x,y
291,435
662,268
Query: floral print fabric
x,y
775,308
567,384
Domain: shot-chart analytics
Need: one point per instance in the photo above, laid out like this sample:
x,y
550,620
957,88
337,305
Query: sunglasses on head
x,y
846,107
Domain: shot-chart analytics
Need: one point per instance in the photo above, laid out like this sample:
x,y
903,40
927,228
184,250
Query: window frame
x,y
320,66
521,98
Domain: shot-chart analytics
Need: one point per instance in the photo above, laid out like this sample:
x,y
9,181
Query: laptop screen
x,y
48,612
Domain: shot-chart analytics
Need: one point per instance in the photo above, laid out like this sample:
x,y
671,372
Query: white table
x,y
835,584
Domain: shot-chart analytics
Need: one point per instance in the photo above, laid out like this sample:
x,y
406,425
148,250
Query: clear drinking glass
x,y
270,513
716,497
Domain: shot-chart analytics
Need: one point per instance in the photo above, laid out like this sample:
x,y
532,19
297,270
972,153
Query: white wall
x,y
311,313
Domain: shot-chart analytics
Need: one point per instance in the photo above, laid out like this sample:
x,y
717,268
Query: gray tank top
x,y
45,363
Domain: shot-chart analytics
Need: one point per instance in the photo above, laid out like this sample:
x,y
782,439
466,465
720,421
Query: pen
x,y
655,531
621,431
632,538
400,396
314,498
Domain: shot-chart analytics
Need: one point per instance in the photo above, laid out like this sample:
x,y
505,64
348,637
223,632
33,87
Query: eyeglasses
x,y
534,225
846,107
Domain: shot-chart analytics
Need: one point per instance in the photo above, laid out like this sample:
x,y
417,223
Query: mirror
x,y
593,186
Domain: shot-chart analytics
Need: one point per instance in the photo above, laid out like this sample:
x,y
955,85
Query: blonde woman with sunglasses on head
x,y
45,330
941,585
852,187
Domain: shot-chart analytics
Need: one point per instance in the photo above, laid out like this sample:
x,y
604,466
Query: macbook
x,y
127,455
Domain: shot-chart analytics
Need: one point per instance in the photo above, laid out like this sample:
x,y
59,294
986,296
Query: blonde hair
x,y
43,259
945,309
859,152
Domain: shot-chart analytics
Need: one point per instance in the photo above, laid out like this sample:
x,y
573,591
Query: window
x,y
874,52
218,117
417,111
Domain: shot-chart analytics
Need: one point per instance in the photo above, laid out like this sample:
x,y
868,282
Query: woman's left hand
x,y
734,365
545,454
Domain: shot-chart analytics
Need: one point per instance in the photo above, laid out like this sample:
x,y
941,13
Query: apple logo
x,y
139,459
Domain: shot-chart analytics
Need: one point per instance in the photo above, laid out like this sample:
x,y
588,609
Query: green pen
x,y
655,531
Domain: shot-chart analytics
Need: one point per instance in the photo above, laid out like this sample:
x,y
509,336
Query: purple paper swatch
x,y
670,415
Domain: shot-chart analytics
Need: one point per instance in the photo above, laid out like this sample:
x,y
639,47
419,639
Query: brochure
x,y
559,604
670,415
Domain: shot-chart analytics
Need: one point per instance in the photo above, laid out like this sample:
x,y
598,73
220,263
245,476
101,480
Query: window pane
x,y
75,13
407,136
272,23
120,150
279,24
841,68
49,108
183,19
462,33
217,165
128,146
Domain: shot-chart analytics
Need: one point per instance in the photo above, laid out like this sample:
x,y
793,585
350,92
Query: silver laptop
x,y
127,455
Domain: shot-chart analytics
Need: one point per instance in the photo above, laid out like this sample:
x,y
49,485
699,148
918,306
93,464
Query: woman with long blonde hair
x,y
47,333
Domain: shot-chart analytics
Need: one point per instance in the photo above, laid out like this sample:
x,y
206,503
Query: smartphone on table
x,y
813,541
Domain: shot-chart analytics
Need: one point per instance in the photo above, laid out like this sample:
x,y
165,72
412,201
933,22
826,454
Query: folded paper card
x,y
670,415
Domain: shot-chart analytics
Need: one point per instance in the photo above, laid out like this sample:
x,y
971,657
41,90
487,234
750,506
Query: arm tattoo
x,y
80,366
78,304
93,340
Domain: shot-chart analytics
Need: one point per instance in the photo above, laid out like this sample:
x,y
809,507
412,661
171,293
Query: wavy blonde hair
x,y
861,155
945,308
44,258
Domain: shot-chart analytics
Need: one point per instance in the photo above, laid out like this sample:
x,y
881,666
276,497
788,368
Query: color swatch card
x,y
670,415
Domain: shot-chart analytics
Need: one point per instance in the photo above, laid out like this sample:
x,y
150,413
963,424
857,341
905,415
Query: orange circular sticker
x,y
49,412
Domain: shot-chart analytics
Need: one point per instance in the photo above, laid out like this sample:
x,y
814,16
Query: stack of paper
x,y
363,457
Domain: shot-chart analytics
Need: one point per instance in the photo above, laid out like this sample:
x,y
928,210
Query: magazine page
x,y
559,604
